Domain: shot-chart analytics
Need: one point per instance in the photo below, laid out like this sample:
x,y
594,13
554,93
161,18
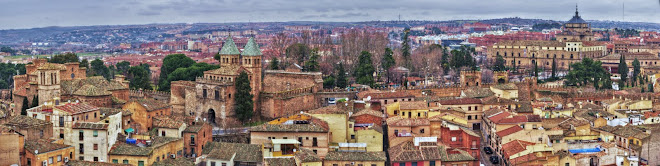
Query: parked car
x,y
494,159
488,150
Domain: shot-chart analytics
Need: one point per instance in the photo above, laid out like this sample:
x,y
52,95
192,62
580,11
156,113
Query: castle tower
x,y
251,58
229,54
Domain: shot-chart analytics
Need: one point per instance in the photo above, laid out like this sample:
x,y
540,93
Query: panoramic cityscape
x,y
330,83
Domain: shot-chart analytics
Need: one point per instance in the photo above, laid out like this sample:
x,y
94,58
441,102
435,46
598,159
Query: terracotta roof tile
x,y
368,112
243,152
460,101
385,95
495,118
151,104
77,108
398,121
88,125
42,146
166,122
476,92
121,148
306,155
407,151
25,121
457,155
290,161
91,163
355,156
509,131
515,147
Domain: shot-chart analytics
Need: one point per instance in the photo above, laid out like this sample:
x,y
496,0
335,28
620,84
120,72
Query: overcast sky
x,y
41,13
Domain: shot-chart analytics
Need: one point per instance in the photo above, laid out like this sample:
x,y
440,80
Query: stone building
x,y
43,79
142,113
32,128
305,130
161,148
279,93
195,136
67,81
575,42
44,152
13,143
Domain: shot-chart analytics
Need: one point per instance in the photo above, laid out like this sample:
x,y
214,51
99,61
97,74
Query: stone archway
x,y
501,81
211,116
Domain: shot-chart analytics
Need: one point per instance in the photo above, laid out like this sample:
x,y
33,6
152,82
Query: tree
x,y
499,63
171,63
99,69
312,64
623,68
341,82
122,67
64,58
35,101
444,61
650,87
554,68
514,67
217,57
636,71
536,70
274,64
365,70
25,106
84,63
298,52
329,82
405,48
138,78
243,105
587,72
190,73
387,62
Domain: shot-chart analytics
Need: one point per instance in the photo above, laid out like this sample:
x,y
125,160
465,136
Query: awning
x,y
285,141
129,130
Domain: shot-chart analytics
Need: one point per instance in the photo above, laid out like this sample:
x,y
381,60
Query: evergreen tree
x,y
365,69
138,78
329,82
274,64
84,63
444,61
636,71
387,62
64,58
243,105
623,68
171,63
588,71
554,68
122,67
25,106
499,63
515,65
650,87
405,48
99,69
35,101
312,64
217,57
536,70
342,81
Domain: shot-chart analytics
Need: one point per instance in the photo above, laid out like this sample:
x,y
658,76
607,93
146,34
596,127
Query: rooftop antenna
x,y
623,11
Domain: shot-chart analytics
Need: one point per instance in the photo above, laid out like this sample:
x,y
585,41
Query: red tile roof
x,y
515,147
497,117
513,120
385,95
461,101
509,131
75,108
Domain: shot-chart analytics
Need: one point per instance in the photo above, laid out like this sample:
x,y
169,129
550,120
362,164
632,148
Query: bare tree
x,y
279,42
486,76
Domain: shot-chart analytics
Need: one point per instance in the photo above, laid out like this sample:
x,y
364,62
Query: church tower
x,y
576,29
229,54
251,58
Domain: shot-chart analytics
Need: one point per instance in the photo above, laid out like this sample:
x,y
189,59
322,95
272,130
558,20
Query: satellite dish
x,y
36,151
368,98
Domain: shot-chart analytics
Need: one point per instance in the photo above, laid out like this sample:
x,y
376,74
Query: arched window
x,y
571,56
547,55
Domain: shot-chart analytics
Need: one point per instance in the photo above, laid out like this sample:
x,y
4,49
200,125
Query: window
x,y
224,164
125,161
453,139
212,163
162,133
140,163
96,133
59,158
96,158
50,160
81,149
217,95
353,136
421,131
335,164
204,93
115,161
469,117
360,164
431,163
315,152
61,121
96,146
567,164
192,139
315,142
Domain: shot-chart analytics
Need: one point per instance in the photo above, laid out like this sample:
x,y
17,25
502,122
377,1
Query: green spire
x,y
251,48
229,48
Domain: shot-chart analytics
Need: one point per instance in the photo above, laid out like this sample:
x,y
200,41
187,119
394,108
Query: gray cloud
x,y
40,13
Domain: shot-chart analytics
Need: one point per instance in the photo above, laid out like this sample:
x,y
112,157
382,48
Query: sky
x,y
18,14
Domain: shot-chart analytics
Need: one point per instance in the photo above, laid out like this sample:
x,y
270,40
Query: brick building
x,y
279,93
43,79
32,128
195,137
142,112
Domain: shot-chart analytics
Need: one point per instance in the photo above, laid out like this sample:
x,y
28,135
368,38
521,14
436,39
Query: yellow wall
x,y
170,148
39,158
532,149
311,164
373,138
391,108
338,126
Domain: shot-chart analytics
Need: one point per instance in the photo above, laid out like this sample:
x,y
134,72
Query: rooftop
x,y
151,104
166,122
306,155
42,146
88,125
407,151
25,121
385,95
91,163
280,161
457,155
121,148
355,156
244,152
76,108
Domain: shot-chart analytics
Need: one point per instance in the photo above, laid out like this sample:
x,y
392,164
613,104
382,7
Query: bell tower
x,y
229,54
251,60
